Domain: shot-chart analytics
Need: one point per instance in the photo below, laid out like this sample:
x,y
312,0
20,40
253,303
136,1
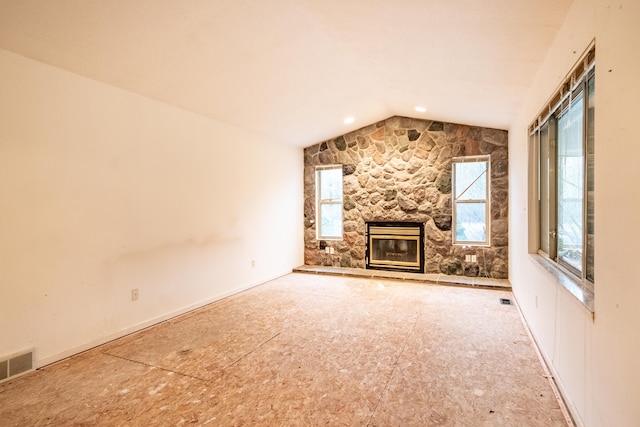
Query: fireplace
x,y
396,246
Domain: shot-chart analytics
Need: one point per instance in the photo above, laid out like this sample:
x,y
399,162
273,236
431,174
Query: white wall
x,y
597,363
103,191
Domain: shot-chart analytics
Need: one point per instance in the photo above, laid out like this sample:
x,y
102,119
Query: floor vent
x,y
16,364
505,301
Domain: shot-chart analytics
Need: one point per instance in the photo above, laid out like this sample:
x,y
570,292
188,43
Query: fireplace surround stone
x,y
399,170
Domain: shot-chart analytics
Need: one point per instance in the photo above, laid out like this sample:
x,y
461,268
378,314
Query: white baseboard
x,y
566,405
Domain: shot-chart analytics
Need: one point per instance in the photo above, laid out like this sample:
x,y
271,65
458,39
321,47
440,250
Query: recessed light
x,y
349,120
421,109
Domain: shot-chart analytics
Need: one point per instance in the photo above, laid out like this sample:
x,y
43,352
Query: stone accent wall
x,y
400,170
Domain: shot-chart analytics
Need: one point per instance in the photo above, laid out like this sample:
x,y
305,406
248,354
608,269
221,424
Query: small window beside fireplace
x,y
395,246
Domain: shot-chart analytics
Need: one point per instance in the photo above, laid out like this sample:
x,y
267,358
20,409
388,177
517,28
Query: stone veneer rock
x,y
399,169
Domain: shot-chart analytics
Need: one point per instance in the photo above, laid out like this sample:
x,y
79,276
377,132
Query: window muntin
x,y
470,188
564,146
329,202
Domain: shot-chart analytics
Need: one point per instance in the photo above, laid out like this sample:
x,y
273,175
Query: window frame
x,y
330,201
487,200
576,86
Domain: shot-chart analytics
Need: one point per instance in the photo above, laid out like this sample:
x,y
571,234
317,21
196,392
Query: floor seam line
x,y
157,367
394,367
255,349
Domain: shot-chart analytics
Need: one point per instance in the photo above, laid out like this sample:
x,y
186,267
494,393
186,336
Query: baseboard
x,y
143,325
566,405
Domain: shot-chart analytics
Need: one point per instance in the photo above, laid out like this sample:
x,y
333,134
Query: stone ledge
x,y
438,279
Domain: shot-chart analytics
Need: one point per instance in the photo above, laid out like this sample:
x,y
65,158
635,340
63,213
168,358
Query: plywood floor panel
x,y
306,350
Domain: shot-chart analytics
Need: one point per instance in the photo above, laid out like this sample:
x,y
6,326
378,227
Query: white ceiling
x,y
294,69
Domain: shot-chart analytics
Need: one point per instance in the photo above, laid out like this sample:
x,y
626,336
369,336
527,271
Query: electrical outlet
x,y
474,258
134,294
331,250
467,258
327,250
253,263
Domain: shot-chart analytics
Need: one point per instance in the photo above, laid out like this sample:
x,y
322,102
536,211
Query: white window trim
x,y
320,202
486,201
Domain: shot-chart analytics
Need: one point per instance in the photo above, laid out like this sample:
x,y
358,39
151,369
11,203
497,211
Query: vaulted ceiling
x,y
295,69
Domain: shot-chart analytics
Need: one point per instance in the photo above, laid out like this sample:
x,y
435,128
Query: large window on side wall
x,y
470,189
562,152
329,202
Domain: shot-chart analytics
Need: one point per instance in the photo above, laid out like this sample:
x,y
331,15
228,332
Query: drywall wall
x,y
595,361
103,191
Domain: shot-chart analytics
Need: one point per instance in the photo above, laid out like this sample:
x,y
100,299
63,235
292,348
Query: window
x,y
329,202
470,188
563,167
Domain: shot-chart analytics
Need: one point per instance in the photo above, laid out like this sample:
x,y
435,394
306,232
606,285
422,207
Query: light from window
x,y
329,202
571,185
470,188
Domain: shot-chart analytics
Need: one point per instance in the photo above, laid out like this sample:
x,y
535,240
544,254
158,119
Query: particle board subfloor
x,y
306,350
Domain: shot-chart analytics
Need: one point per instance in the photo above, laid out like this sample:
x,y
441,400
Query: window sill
x,y
581,291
